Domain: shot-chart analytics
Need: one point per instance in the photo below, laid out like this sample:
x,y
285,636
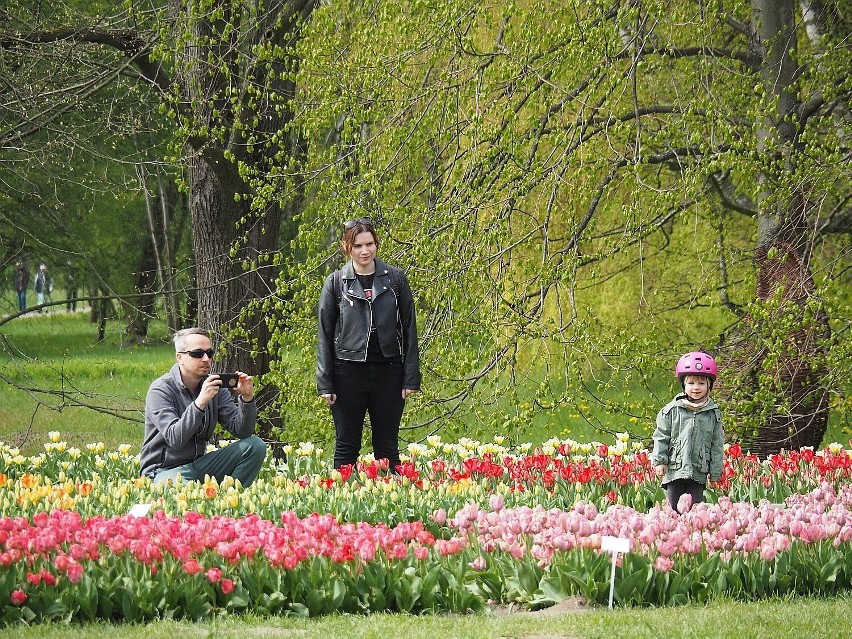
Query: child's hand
x,y
660,470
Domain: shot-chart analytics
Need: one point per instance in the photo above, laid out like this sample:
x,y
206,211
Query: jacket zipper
x,y
369,329
399,329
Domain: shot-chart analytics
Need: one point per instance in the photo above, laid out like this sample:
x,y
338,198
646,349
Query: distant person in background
x,y
22,283
43,286
70,288
182,409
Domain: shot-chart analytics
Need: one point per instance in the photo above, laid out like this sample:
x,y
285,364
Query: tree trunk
x,y
777,358
226,290
168,204
233,241
139,310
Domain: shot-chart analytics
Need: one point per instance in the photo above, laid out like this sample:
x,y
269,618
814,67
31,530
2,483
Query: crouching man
x,y
182,409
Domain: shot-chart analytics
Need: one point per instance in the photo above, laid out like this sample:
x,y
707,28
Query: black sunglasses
x,y
351,224
198,353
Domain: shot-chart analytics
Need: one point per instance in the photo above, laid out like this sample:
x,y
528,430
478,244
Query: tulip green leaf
x,y
636,577
300,610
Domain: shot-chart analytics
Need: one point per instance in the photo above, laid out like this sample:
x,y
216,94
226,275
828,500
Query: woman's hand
x,y
408,391
660,470
329,398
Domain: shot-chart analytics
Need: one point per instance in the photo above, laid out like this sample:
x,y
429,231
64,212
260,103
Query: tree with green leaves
x,y
73,127
223,71
580,192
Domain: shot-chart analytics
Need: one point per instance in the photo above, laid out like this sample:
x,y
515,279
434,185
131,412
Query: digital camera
x,y
229,380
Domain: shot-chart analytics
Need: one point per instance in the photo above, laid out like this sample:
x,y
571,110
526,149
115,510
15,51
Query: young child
x,y
688,441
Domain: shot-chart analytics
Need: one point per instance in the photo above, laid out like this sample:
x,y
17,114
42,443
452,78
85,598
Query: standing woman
x,y
367,355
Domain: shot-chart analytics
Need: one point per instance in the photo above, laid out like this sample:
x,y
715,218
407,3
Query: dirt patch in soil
x,y
272,632
569,604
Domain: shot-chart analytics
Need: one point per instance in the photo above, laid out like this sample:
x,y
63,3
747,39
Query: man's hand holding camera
x,y
213,383
245,386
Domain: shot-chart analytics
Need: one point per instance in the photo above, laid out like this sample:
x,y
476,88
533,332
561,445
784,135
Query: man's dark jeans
x,y
362,388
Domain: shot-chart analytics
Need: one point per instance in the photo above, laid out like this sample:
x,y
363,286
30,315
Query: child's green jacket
x,y
690,444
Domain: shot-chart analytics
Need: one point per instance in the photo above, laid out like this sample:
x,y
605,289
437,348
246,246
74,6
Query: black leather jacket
x,y
344,324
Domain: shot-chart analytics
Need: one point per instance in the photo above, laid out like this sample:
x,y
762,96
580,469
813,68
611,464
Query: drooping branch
x,y
746,58
138,50
129,42
726,190
838,221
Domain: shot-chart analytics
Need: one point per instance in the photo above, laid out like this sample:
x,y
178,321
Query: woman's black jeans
x,y
362,388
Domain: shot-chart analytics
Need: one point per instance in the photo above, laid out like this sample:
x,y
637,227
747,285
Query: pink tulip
x,y
666,548
699,517
62,562
693,544
440,517
75,573
663,564
77,552
728,530
117,545
647,536
398,551
747,543
563,542
767,551
516,550
366,551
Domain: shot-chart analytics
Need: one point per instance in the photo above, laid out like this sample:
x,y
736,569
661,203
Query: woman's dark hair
x,y
352,228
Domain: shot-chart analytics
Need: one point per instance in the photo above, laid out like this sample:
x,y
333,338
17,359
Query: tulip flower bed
x,y
462,526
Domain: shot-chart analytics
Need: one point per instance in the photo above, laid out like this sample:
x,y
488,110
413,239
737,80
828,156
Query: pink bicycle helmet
x,y
696,363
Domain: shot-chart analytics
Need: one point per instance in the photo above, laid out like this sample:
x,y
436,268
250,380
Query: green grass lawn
x,y
56,376
787,619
